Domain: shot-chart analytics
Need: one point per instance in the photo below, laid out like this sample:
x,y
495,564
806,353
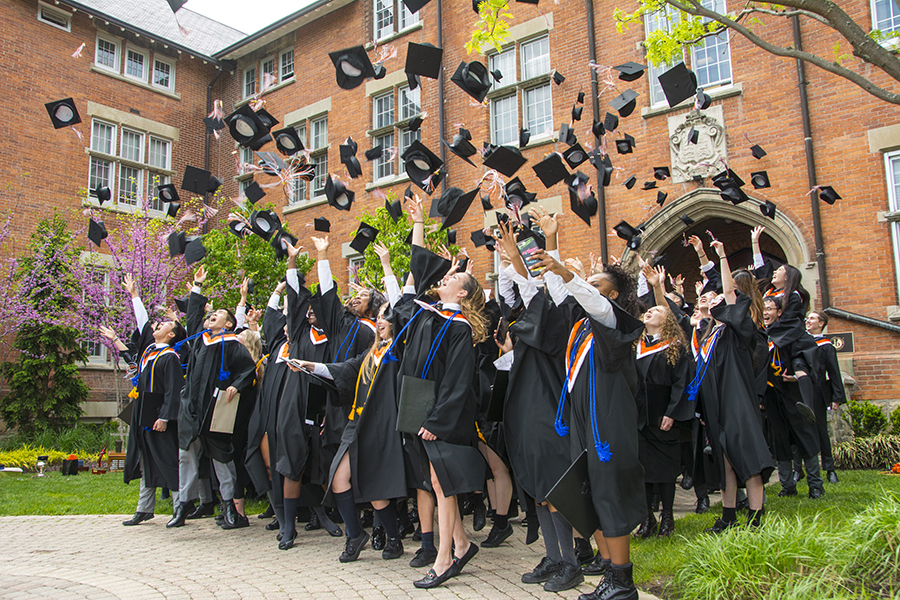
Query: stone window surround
x,y
295,118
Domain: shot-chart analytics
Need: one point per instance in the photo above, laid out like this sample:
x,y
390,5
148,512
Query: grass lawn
x,y
658,560
82,494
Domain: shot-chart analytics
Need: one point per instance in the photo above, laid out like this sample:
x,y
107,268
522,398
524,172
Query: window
x,y
129,162
711,61
268,70
659,20
287,64
410,105
320,133
249,82
885,16
107,55
538,110
163,74
384,166
53,16
299,190
892,167
318,148
135,64
321,165
384,111
530,86
390,127
505,62
504,121
384,17
96,351
535,57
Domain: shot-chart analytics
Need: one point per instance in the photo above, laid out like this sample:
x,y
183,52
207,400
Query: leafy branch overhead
x,y
688,22
492,27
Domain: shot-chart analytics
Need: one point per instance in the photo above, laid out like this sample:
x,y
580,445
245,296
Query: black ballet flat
x,y
433,580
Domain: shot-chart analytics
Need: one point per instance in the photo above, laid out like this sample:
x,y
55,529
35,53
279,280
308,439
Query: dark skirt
x,y
661,459
459,469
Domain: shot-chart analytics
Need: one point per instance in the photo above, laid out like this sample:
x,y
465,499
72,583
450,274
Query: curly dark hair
x,y
626,285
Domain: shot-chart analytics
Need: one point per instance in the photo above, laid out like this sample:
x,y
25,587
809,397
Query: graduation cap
x,y
610,123
172,209
424,60
478,238
453,205
768,209
567,135
365,235
629,234
551,170
196,180
524,137
473,78
517,195
451,239
575,155
213,124
177,242
373,153
288,141
576,112
339,196
321,224
678,83
661,173
254,193
415,5
96,232
348,149
703,100
181,304
413,81
63,113
630,71
486,203
245,126
603,163
584,207
686,220
394,209
733,194
661,197
265,223
280,241
827,193
727,178
629,183
352,66
354,169
757,151
379,71
461,146
598,129
580,98
571,496
760,180
421,163
497,74
693,135
649,185
194,250
239,228
102,193
268,120
415,123
505,159
625,102
167,193
558,77
214,184
176,4
626,145
259,143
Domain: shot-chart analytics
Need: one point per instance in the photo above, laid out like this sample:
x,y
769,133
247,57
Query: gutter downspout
x,y
208,134
595,105
440,44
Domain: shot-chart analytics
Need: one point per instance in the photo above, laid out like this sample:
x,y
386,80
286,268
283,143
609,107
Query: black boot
x,y
233,519
583,551
666,524
647,528
204,510
393,548
598,566
379,538
566,577
619,584
313,523
139,517
180,514
268,514
702,505
497,536
479,512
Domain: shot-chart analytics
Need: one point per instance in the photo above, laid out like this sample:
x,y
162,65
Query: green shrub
x,y
895,421
866,419
876,452
82,438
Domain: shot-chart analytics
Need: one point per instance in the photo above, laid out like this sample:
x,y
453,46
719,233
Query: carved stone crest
x,y
708,155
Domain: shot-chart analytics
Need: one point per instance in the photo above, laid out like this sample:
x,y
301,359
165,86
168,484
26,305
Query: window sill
x,y
394,36
519,85
387,182
135,82
115,208
292,208
129,163
719,93
542,140
244,177
400,126
274,88
91,365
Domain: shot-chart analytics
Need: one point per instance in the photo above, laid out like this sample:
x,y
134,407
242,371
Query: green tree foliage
x,y
492,26
866,419
45,387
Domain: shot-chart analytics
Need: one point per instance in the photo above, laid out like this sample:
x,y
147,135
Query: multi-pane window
x,y
655,21
107,54
385,23
99,277
505,62
268,70
384,166
129,163
319,133
249,82
885,16
287,64
538,110
504,120
163,74
410,105
535,57
530,86
390,128
384,111
892,167
321,165
135,64
711,60
407,137
318,148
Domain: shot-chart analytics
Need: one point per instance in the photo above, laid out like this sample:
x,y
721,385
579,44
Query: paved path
x,y
96,558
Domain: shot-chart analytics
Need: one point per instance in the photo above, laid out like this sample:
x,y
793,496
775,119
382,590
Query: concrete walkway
x,y
96,558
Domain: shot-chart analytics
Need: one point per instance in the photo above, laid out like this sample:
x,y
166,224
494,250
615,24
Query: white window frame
x,y
316,137
281,63
525,63
276,71
387,30
318,184
407,19
653,22
169,63
389,116
146,65
300,189
117,44
891,42
245,81
893,188
508,78
403,92
54,10
494,131
102,357
714,5
383,167
525,112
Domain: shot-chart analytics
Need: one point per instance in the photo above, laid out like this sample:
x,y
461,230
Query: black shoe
x,y
204,510
702,505
743,504
619,585
542,572
368,518
799,475
666,524
423,558
687,482
432,579
233,519
720,525
566,577
832,477
268,514
417,535
479,514
287,540
497,536
785,492
336,532
313,523
353,547
139,517
460,562
816,493
654,502
647,528
273,525
583,551
379,538
407,529
393,548
180,514
598,566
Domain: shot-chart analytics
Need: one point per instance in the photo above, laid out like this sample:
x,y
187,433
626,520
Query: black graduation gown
x,y
202,383
162,374
457,461
729,404
538,454
375,447
263,419
787,427
486,352
661,394
830,386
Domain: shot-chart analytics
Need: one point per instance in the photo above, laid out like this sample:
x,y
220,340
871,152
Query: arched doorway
x,y
781,242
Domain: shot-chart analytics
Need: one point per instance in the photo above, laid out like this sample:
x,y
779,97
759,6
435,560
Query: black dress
x,y
729,404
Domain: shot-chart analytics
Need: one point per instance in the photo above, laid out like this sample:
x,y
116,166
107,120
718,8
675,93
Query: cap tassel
x,y
223,374
603,451
133,394
562,429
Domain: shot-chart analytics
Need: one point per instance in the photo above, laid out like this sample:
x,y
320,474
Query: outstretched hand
x,y
200,275
128,284
108,333
321,243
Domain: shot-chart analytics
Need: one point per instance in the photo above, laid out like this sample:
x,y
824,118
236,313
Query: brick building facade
x,y
756,100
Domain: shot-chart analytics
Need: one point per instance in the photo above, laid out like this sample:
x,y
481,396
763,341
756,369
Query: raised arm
x,y
324,267
140,311
196,303
727,281
591,300
391,287
655,278
240,311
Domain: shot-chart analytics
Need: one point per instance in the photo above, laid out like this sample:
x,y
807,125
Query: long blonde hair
x,y
253,344
672,332
472,308
368,366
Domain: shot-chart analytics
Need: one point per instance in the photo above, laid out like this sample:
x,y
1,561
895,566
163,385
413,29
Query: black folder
x,y
498,397
417,397
571,496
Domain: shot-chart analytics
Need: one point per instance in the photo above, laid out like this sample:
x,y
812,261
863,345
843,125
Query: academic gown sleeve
x,y
713,281
542,326
345,376
680,408
297,323
241,366
173,381
737,318
453,417
195,313
273,328
832,369
427,269
330,312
